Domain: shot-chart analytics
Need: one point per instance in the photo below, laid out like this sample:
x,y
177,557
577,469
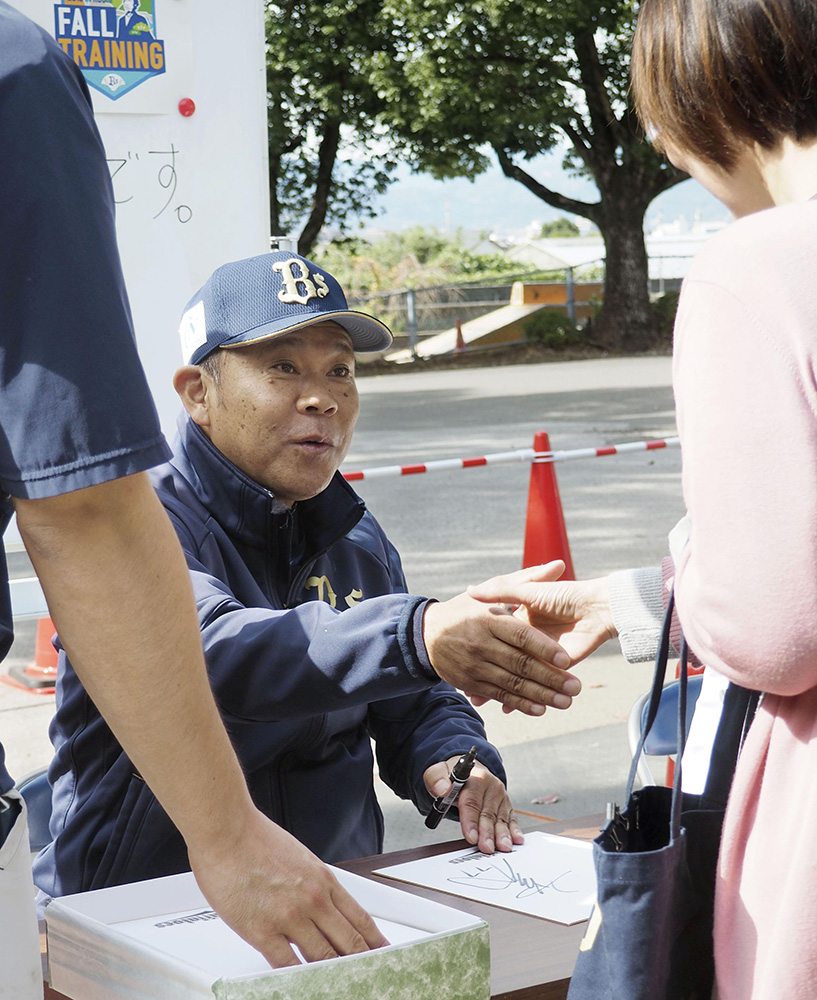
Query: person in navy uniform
x,y
132,24
314,647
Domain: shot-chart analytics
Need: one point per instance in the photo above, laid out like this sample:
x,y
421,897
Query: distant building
x,y
670,249
557,254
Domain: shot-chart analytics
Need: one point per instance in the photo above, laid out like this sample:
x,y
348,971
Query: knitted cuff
x,y
637,606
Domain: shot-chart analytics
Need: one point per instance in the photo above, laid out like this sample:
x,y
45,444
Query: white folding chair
x,y
662,740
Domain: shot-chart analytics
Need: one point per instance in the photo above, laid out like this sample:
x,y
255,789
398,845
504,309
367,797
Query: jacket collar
x,y
246,510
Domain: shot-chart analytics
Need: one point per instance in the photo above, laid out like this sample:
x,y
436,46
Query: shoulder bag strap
x,y
739,706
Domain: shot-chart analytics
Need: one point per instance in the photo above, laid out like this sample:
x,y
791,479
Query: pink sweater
x,y
745,375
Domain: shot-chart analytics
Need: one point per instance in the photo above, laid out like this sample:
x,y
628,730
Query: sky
x,y
493,202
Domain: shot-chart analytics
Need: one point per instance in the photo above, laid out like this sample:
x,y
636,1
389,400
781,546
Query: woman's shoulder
x,y
757,276
782,239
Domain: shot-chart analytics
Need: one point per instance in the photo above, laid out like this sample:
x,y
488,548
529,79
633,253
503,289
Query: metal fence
x,y
414,313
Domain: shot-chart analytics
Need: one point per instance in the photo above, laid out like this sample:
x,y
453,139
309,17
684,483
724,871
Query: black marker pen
x,y
459,775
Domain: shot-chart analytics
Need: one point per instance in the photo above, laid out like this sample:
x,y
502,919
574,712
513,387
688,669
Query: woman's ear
x,y
195,389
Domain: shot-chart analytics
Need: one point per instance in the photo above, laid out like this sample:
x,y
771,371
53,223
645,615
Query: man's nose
x,y
317,399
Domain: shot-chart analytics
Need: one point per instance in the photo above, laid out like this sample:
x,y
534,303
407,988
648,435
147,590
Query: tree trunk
x,y
327,154
626,319
274,204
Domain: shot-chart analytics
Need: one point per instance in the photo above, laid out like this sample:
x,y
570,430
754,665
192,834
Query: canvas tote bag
x,y
650,933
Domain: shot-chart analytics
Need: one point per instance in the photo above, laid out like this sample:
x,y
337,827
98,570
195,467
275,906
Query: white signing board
x,y
547,876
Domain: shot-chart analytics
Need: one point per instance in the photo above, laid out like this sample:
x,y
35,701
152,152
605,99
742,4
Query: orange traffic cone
x,y
545,532
460,339
40,675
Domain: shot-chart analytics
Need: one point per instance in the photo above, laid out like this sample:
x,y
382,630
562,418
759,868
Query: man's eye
x,y
285,366
342,371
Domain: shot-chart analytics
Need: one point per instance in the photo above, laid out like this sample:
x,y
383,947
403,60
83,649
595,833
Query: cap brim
x,y
365,332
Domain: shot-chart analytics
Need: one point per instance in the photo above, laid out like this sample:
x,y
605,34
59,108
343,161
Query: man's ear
x,y
194,389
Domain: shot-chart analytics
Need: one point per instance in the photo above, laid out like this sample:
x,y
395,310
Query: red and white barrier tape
x,y
505,457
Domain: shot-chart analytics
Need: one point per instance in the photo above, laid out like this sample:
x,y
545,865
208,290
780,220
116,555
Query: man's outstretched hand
x,y
491,655
275,893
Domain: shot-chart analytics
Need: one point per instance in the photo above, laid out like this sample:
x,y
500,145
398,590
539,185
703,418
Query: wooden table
x,y
531,958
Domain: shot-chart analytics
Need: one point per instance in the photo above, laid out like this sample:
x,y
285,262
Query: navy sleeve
x,y
75,409
417,730
413,732
268,665
317,658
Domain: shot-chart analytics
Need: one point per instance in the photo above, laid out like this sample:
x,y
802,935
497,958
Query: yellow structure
x,y
504,325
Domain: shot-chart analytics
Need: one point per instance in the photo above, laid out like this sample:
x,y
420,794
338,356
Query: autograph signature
x,y
498,877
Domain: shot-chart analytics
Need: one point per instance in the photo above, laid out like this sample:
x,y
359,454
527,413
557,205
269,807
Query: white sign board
x,y
179,92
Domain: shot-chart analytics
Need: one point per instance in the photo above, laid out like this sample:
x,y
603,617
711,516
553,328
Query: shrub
x,y
560,227
552,328
665,308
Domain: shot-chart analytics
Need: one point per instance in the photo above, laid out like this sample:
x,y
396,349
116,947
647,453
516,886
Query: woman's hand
x,y
575,614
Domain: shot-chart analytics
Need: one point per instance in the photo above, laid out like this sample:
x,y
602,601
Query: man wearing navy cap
x,y
314,649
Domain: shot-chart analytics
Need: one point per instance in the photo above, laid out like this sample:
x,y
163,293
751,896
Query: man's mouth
x,y
317,445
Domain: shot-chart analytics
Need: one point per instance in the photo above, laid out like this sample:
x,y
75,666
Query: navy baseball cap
x,y
261,297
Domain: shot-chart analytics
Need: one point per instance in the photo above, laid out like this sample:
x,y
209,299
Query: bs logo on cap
x,y
290,293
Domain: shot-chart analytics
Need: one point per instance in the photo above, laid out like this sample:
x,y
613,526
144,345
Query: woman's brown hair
x,y
709,76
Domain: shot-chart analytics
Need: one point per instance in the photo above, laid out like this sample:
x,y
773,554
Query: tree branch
x,y
582,142
586,209
603,119
579,137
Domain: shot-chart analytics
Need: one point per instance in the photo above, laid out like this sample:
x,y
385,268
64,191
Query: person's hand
x,y
576,614
486,813
488,653
274,892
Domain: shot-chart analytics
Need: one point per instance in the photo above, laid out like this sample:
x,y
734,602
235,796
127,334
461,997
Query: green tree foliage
x,y
327,158
514,78
415,258
559,228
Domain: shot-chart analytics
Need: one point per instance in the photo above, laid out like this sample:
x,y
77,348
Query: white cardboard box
x,y
159,940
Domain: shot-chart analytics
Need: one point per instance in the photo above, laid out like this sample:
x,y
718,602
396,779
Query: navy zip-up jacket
x,y
313,650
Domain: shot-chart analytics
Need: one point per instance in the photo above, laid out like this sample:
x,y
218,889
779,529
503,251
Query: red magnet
x,y
186,107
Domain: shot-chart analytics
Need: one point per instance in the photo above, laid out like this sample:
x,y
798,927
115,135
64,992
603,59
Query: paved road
x,y
456,528
453,528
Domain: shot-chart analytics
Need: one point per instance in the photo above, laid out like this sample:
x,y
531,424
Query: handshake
x,y
520,659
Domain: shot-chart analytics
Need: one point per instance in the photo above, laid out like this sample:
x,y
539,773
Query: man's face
x,y
284,410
